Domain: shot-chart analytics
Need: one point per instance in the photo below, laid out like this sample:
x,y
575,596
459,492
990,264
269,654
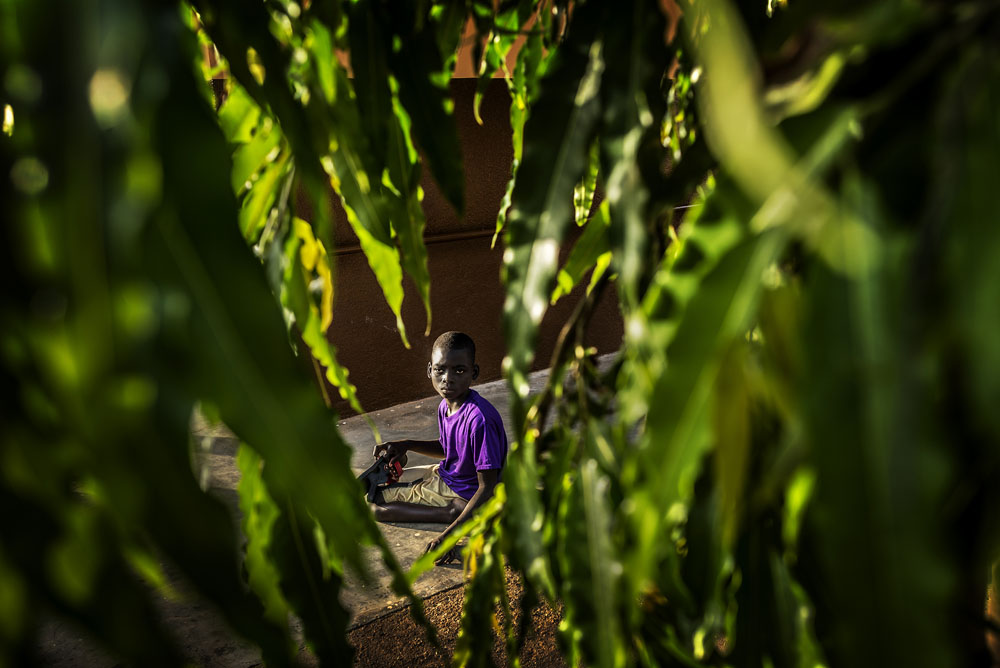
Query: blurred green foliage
x,y
793,460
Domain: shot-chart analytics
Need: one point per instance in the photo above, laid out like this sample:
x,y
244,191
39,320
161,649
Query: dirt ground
x,y
395,641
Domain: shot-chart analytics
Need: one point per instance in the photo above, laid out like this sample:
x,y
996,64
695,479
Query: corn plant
x,y
792,461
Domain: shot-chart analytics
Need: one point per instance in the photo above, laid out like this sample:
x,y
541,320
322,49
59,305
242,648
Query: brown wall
x,y
466,290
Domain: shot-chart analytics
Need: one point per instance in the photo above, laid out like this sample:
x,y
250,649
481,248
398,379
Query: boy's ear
x,y
428,369
475,371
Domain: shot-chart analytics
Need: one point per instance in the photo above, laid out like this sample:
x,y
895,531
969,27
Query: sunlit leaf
x,y
408,219
259,150
304,258
583,193
239,115
262,197
565,115
423,91
677,432
589,248
259,515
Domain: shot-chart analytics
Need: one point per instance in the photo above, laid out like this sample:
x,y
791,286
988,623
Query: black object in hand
x,y
378,474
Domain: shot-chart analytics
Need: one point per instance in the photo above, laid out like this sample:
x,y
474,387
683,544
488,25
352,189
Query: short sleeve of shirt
x,y
487,445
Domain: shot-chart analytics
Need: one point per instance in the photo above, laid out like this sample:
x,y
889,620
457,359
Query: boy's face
x,y
452,372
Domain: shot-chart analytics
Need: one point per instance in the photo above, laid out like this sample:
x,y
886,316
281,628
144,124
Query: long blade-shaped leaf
x,y
583,193
636,59
591,245
408,220
369,45
259,515
242,363
484,563
564,116
423,90
677,431
589,569
367,207
541,210
310,585
889,562
523,88
303,257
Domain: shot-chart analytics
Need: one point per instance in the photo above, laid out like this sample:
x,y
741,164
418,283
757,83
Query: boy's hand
x,y
395,449
446,558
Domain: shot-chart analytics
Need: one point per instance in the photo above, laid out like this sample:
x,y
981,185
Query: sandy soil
x,y
395,641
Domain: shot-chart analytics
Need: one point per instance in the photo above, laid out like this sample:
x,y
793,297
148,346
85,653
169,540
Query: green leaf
x,y
408,219
385,263
523,521
558,138
261,149
967,142
262,197
315,457
505,202
239,115
590,575
305,257
583,193
242,362
369,48
633,106
523,89
677,432
310,585
589,248
423,91
503,31
731,432
896,469
365,204
323,60
768,612
259,515
485,566
349,168
448,21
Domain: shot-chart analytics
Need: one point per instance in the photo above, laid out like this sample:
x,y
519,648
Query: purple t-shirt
x,y
473,440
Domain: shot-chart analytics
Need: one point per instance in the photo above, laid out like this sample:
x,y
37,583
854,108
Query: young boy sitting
x,y
472,447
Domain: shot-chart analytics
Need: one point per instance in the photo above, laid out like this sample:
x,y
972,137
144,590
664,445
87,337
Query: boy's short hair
x,y
455,341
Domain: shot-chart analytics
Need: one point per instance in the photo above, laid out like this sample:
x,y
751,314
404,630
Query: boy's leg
x,y
400,511
426,499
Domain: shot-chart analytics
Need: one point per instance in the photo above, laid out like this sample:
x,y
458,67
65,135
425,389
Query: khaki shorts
x,y
424,487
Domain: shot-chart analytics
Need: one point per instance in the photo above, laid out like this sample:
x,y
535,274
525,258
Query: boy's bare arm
x,y
397,449
488,480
